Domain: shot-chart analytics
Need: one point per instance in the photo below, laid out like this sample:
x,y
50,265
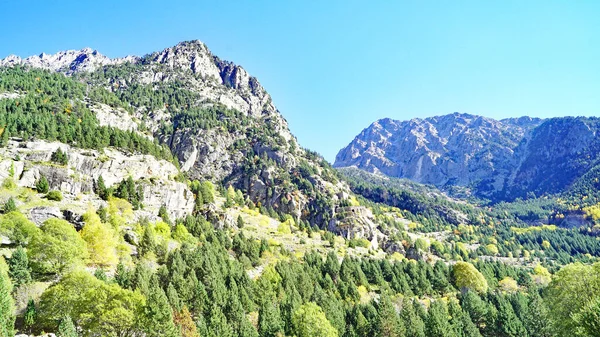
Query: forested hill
x,y
164,195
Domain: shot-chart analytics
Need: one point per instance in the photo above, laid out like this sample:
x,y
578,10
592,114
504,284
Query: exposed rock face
x,y
357,222
456,149
69,61
499,159
86,166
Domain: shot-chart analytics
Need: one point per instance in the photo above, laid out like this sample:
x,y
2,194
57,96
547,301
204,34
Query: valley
x,y
164,195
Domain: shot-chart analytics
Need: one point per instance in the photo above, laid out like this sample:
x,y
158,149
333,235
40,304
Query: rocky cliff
x,y
501,160
26,162
451,150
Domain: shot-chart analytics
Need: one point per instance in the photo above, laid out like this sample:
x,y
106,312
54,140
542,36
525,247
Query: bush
x,y
9,183
359,242
54,195
9,206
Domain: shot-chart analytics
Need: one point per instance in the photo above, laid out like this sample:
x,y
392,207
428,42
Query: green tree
x,y
19,270
388,323
59,157
9,205
588,319
475,307
269,320
42,185
536,319
97,307
18,228
437,324
7,318
101,240
207,189
66,328
572,288
163,213
413,323
158,316
101,189
57,247
507,323
309,321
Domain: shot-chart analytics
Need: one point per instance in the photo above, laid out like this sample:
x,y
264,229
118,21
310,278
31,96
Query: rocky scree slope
x,y
500,160
217,120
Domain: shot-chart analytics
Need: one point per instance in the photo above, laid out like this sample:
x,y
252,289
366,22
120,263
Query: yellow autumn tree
x,y
465,275
101,240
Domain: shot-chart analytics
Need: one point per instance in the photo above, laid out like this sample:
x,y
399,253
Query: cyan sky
x,y
334,67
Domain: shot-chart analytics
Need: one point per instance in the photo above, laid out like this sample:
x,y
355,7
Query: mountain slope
x,y
451,150
219,123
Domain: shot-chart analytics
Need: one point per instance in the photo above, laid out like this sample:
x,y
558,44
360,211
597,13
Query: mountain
x,y
219,123
496,159
170,187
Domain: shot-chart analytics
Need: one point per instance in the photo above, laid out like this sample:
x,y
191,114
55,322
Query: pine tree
x,y
475,307
388,324
269,320
7,318
66,328
157,313
42,185
240,222
461,322
437,324
122,276
537,320
173,297
412,321
163,213
508,324
101,188
18,265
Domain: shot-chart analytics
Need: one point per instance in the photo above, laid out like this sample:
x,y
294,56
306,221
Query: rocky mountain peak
x,y
454,149
68,61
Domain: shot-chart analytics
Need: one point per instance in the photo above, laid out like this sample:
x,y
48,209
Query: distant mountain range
x,y
494,159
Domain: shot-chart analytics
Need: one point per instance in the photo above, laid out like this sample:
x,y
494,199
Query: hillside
x,y
164,195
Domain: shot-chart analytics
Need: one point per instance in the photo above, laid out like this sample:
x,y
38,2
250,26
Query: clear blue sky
x,y
334,67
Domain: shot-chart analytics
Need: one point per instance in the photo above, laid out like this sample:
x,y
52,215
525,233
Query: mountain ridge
x,y
495,159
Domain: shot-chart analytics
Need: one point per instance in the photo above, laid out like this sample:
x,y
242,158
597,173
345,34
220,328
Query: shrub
x,y
54,195
9,206
9,183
